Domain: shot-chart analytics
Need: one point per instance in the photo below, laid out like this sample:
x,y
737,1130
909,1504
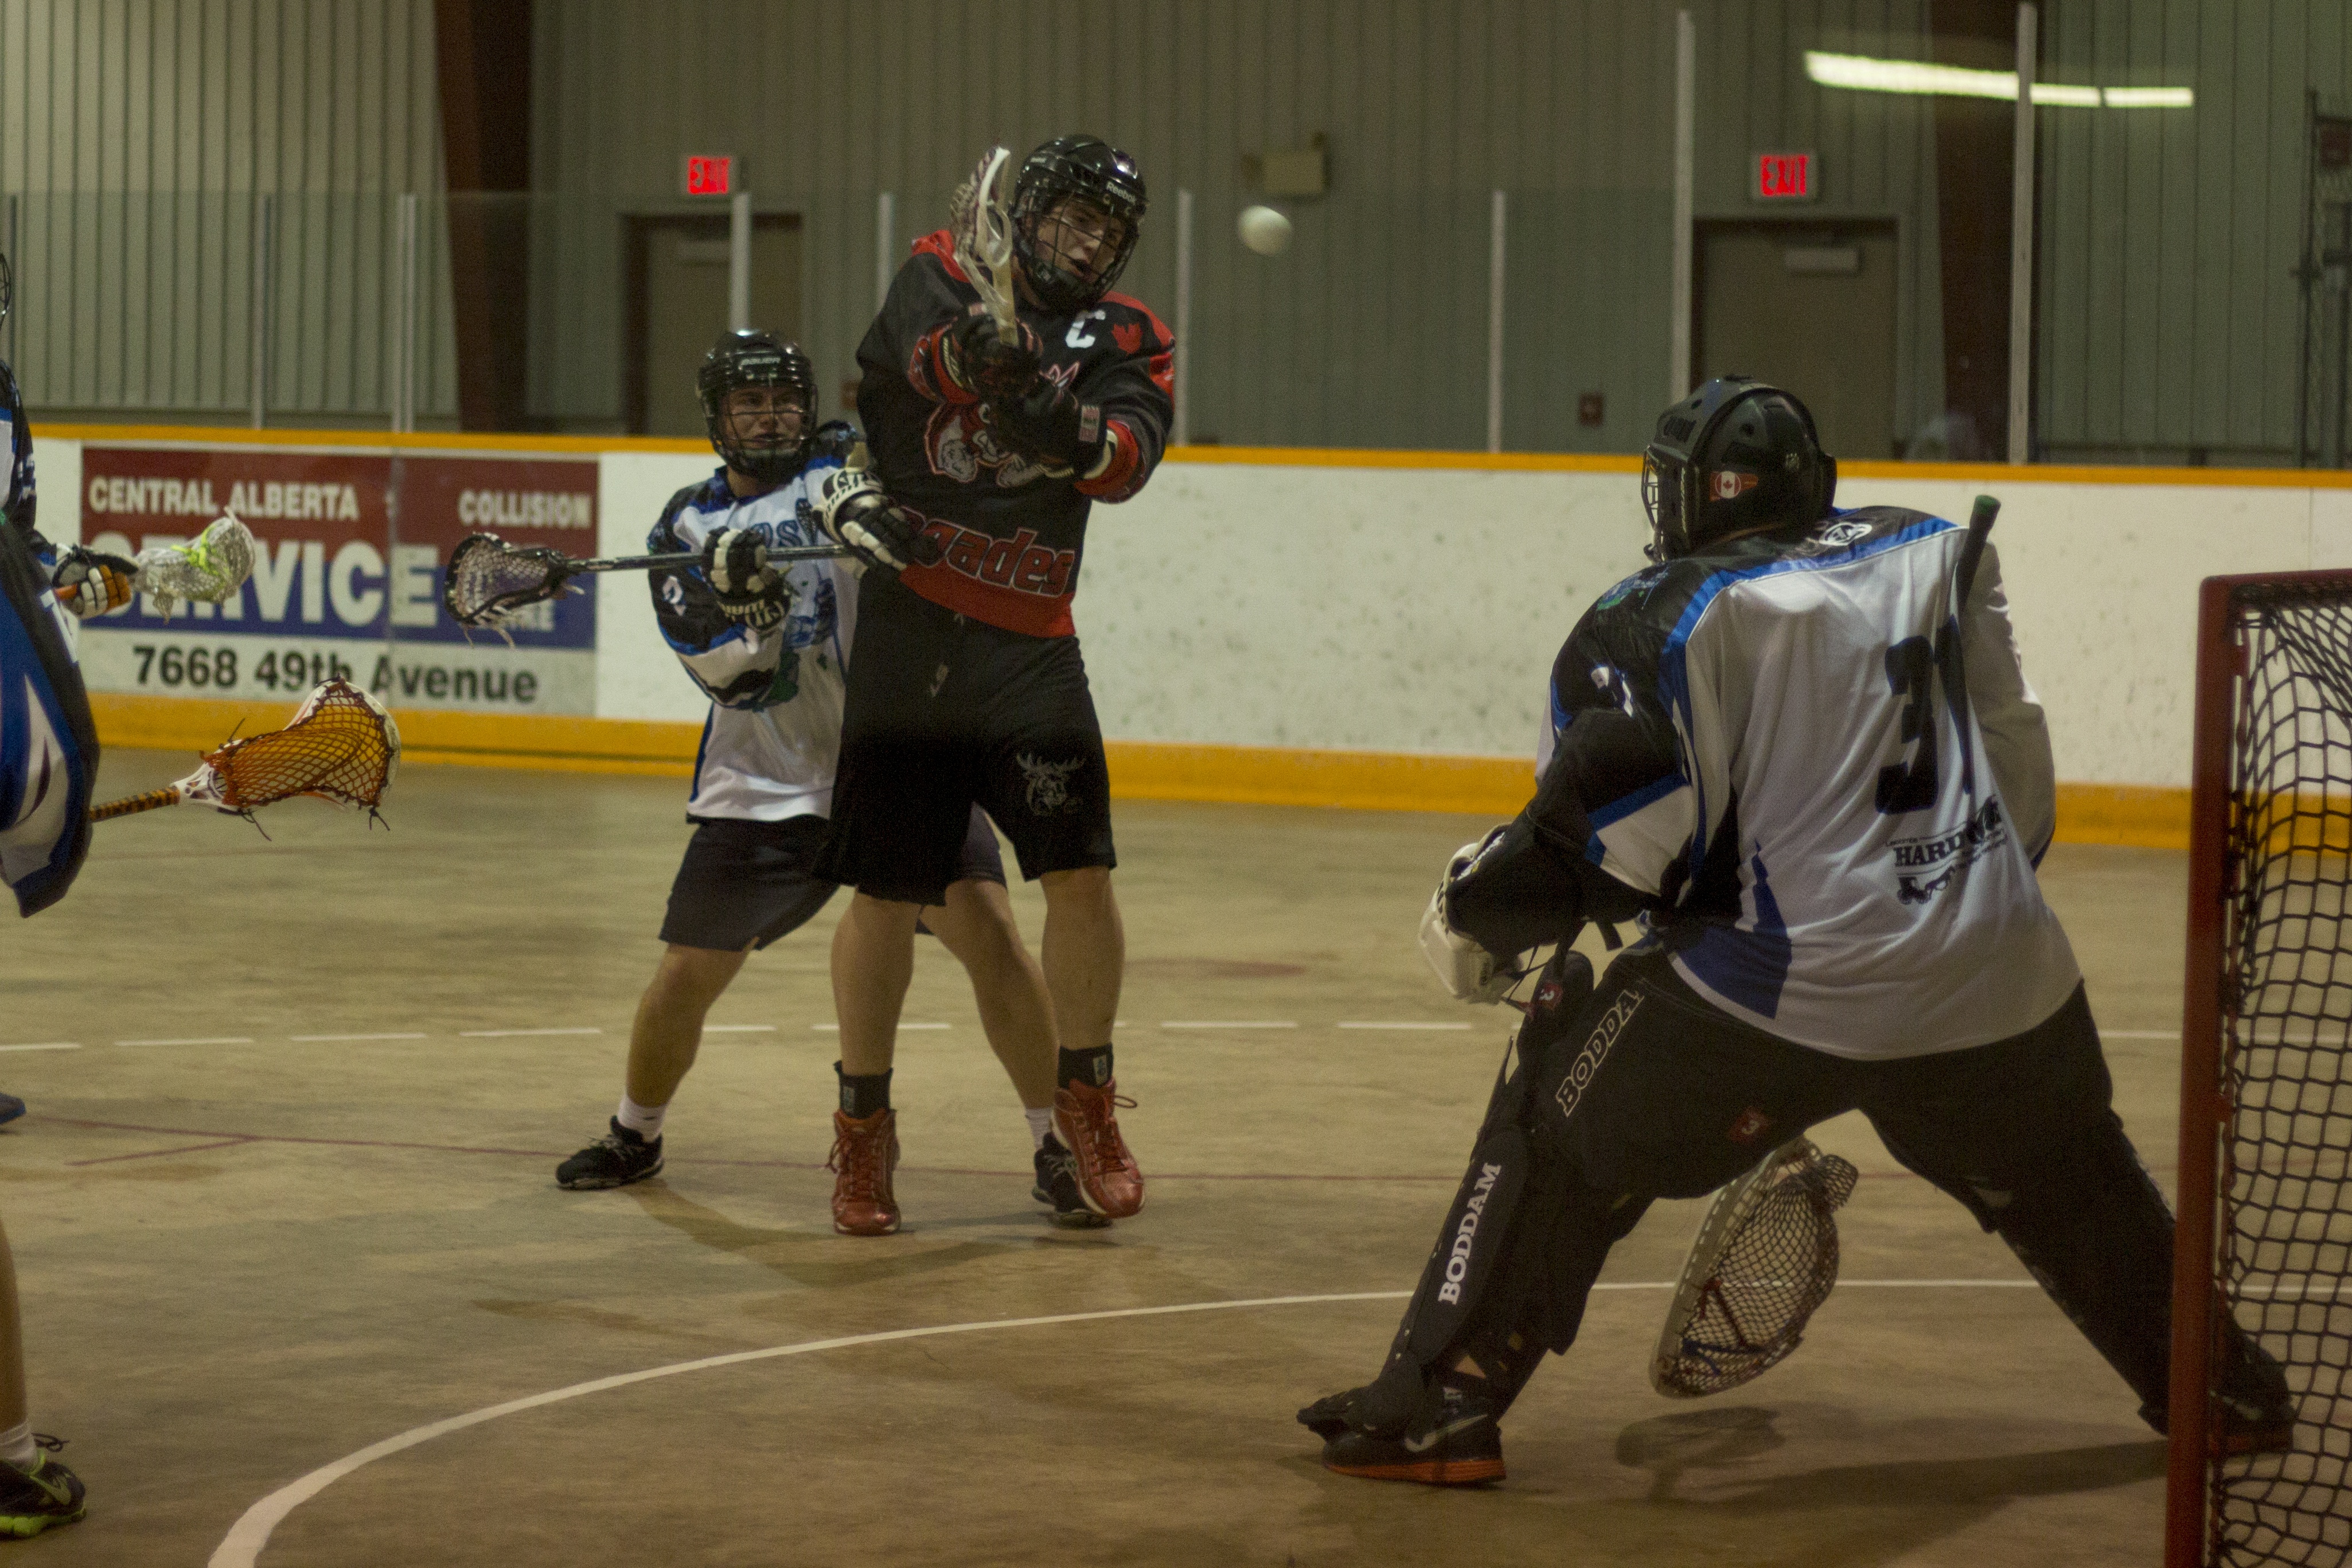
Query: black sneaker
x,y
32,1501
614,1160
1452,1441
1057,1184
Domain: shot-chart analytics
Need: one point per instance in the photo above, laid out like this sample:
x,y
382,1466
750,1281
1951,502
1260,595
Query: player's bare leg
x,y
663,1040
36,1491
873,962
1015,1010
1085,962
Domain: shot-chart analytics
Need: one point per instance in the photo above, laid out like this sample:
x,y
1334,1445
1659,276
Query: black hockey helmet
x,y
1736,456
1080,168
751,357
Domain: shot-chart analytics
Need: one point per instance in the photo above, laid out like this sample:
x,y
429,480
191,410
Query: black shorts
x,y
1657,1092
744,883
943,713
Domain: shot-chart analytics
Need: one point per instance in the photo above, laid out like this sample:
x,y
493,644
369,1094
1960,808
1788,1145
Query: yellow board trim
x,y
1990,475
1496,787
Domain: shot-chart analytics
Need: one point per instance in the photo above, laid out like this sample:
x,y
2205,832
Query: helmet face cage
x,y
758,359
1793,480
1082,169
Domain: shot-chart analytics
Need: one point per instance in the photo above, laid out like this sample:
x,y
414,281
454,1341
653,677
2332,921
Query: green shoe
x,y
32,1501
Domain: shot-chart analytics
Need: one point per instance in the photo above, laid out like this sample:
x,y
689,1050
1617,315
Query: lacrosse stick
x,y
981,219
340,745
489,579
1764,1260
211,567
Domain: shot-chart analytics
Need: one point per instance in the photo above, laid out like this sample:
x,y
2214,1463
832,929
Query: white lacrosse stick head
x,y
211,567
981,221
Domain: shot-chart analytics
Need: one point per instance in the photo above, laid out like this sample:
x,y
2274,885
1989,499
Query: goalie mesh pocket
x,y
1766,1258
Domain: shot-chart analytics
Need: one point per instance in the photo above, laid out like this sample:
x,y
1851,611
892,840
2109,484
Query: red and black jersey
x,y
1012,531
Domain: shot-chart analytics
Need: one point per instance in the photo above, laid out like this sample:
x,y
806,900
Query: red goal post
x,y
2265,1229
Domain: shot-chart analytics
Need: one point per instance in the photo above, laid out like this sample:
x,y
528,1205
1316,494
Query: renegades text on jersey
x,y
1012,529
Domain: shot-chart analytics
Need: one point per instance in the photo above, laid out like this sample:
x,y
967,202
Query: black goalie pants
x,y
1649,1091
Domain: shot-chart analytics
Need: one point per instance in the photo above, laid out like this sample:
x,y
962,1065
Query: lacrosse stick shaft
x,y
694,558
168,796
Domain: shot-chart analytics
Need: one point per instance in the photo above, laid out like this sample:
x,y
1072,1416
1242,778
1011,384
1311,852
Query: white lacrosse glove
x,y
735,559
91,582
855,513
1467,970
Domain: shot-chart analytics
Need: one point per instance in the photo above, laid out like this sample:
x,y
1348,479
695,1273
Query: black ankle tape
x,y
1089,1068
863,1094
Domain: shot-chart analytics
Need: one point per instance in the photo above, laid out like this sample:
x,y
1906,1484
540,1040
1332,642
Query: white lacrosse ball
x,y
1264,230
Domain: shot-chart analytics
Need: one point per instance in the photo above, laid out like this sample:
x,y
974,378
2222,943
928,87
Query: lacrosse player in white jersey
x,y
769,645
1799,749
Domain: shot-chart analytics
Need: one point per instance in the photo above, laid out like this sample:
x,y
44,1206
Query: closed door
x,y
678,308
1809,307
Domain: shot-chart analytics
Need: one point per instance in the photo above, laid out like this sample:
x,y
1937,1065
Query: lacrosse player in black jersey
x,y
993,436
1800,749
769,645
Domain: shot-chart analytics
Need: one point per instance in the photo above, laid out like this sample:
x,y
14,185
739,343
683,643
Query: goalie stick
x,y
1764,1259
489,579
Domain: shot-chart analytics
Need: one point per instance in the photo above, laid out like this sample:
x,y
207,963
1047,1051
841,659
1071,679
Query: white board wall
x,y
1419,609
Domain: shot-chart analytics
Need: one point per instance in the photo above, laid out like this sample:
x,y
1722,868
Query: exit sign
x,y
1785,177
710,175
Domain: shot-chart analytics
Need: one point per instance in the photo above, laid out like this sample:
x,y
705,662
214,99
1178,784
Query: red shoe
x,y
865,1153
1086,1118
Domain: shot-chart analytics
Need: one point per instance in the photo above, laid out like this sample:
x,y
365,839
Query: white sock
x,y
1041,1121
644,1120
17,1446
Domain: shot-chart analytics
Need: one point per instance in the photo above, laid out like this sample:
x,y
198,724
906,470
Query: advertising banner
x,y
350,551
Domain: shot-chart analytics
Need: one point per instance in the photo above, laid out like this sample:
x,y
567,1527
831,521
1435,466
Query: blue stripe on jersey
x,y
1623,807
734,632
1747,967
1674,673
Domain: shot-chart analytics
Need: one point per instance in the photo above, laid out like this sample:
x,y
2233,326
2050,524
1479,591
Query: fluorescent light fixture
x,y
1864,73
2149,98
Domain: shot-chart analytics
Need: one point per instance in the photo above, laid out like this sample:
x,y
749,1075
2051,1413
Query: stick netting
x,y
210,567
2285,1222
1765,1259
491,582
340,746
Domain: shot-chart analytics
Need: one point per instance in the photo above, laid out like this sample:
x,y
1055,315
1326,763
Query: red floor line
x,y
160,1153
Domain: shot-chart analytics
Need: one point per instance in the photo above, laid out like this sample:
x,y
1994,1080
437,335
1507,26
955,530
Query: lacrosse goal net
x,y
2266,1234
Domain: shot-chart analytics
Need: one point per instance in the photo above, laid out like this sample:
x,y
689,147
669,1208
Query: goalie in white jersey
x,y
1801,751
769,645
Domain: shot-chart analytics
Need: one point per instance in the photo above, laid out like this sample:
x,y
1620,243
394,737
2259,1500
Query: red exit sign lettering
x,y
710,175
1785,177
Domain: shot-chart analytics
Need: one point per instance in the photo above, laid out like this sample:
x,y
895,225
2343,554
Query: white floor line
x,y
242,1546
739,1028
835,1028
511,1034
2139,1034
1230,1023
49,1045
402,1035
1383,1025
198,1040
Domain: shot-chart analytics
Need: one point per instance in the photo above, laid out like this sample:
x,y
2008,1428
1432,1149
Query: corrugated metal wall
x,y
134,138
2170,237
1371,331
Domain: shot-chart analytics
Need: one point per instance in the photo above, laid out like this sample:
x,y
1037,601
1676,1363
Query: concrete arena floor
x,y
246,1256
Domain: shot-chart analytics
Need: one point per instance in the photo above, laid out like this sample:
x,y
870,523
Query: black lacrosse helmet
x,y
755,357
1736,456
1077,168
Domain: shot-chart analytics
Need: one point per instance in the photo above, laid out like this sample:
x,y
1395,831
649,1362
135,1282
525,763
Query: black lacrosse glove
x,y
1050,425
90,583
989,367
735,561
